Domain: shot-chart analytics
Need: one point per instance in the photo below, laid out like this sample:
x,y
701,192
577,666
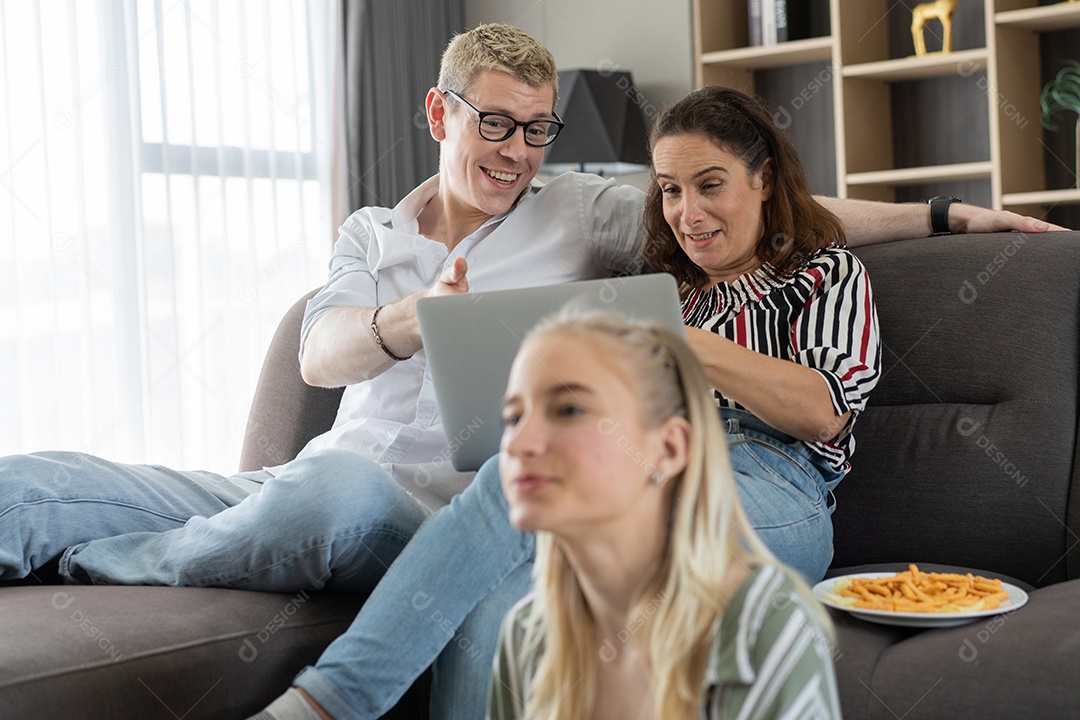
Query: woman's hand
x,y
790,397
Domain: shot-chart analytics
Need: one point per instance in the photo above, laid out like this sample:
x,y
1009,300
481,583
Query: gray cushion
x,y
75,652
286,412
925,492
1018,665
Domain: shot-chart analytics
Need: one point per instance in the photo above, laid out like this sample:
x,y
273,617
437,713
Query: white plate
x,y
1017,597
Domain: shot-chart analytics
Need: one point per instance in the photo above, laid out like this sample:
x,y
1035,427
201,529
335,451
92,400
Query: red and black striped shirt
x,y
822,316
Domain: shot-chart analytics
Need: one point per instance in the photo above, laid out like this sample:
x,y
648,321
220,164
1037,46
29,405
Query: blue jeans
x,y
444,598
334,519
786,492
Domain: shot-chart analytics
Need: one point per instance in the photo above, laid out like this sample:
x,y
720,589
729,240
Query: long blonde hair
x,y
708,533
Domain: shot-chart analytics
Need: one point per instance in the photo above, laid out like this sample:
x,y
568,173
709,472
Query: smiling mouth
x,y
504,178
703,237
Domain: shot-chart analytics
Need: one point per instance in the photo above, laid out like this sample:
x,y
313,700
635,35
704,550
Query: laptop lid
x,y
470,341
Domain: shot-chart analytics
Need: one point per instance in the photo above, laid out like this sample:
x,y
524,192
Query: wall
x,y
650,39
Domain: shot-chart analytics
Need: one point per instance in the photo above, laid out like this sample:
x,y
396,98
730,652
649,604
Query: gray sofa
x,y
966,457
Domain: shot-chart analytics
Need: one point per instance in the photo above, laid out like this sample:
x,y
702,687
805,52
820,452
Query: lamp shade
x,y
604,122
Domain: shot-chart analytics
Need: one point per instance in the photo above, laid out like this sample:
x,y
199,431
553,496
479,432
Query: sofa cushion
x,y
286,412
72,652
1020,664
967,485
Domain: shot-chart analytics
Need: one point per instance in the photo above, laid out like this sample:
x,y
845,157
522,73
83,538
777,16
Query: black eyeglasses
x,y
497,127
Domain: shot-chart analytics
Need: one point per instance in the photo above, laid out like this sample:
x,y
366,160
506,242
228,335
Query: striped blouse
x,y
769,658
821,316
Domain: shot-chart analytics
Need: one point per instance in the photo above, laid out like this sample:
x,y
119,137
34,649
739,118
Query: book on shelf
x,y
768,22
754,20
799,21
780,21
776,21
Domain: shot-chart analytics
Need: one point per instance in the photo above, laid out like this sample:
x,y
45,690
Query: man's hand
x,y
340,349
866,222
452,281
974,219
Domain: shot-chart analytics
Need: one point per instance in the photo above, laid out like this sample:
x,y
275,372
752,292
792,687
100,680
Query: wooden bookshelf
x,y
761,57
1061,16
995,67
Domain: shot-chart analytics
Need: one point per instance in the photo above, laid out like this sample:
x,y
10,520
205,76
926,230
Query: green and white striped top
x,y
769,658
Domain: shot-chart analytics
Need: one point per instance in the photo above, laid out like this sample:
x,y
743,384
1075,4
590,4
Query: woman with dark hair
x,y
778,311
794,224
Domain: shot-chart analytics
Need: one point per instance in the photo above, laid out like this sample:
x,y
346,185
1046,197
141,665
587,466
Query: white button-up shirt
x,y
576,227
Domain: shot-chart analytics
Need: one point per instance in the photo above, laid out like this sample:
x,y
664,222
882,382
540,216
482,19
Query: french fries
x,y
917,591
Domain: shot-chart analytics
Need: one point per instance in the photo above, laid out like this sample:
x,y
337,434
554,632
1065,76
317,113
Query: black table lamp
x,y
604,123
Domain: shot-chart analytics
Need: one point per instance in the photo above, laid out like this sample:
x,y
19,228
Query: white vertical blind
x,y
164,197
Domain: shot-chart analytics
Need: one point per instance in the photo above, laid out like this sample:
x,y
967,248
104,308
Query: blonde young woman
x,y
654,597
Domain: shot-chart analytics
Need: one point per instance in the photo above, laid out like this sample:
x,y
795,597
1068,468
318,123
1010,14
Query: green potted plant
x,y
1063,93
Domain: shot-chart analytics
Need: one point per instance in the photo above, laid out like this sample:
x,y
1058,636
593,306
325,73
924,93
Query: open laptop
x,y
471,340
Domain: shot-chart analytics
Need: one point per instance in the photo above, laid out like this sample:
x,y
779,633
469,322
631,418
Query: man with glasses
x,y
497,127
480,224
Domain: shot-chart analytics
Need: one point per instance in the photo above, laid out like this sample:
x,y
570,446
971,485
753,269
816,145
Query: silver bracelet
x,y
378,338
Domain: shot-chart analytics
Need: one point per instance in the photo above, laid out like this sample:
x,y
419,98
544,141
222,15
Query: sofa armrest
x,y
286,412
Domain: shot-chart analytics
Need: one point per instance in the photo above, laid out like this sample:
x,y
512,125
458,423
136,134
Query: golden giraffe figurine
x,y
921,14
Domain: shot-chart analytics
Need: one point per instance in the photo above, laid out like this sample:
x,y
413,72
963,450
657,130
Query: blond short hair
x,y
494,46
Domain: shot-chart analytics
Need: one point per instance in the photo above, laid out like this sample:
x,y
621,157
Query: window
x,y
164,198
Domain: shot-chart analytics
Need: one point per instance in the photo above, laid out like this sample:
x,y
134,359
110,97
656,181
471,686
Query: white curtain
x,y
164,197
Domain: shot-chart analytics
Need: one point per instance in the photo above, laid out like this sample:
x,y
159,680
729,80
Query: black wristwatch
x,y
939,214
